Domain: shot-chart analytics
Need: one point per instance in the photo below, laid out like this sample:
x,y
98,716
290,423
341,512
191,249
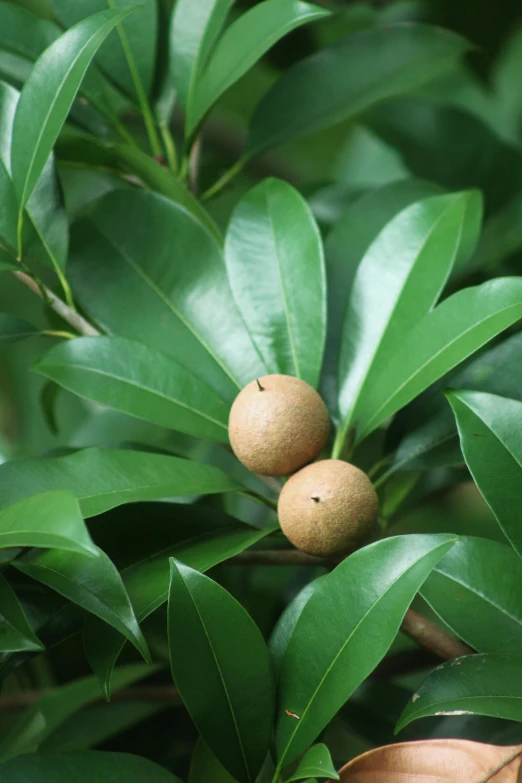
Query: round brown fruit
x,y
328,508
277,424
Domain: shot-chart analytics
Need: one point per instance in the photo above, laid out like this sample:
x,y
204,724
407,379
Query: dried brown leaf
x,y
436,761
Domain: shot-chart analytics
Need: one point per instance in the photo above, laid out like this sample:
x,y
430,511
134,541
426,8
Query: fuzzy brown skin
x,y
328,508
279,428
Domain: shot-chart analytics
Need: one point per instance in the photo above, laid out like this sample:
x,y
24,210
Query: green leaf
x,y
475,591
84,768
53,709
328,654
457,328
122,267
48,95
15,632
7,262
131,378
201,538
474,685
442,143
489,429
397,283
49,239
99,723
194,30
431,437
47,520
285,626
347,78
218,657
243,44
316,761
276,269
165,183
128,60
93,583
204,766
13,329
104,478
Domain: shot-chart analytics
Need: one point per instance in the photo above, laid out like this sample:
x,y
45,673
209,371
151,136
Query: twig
x,y
195,157
504,763
279,557
159,694
430,636
73,318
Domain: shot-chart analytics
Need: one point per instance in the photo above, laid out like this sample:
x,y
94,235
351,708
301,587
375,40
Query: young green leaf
x,y
84,767
15,632
194,30
47,520
474,685
104,478
397,283
275,265
457,328
129,377
489,429
243,44
91,582
47,97
347,78
129,60
328,654
139,260
475,590
218,656
52,709
200,537
317,762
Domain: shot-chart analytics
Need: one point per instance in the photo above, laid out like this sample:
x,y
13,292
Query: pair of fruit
x,y
277,425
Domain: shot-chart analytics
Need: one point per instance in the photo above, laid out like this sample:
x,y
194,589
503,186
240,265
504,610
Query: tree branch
x,y
69,315
159,694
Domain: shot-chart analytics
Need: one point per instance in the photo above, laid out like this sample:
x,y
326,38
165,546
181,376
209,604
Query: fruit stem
x,y
261,388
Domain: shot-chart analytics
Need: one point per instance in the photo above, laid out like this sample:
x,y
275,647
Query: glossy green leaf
x,y
93,583
345,246
457,328
489,429
317,762
46,520
285,626
15,632
165,183
194,30
138,252
129,59
201,538
52,709
474,685
47,97
347,78
218,656
104,478
328,654
204,766
275,265
431,438
131,378
475,591
244,43
13,329
388,299
50,240
7,262
84,767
